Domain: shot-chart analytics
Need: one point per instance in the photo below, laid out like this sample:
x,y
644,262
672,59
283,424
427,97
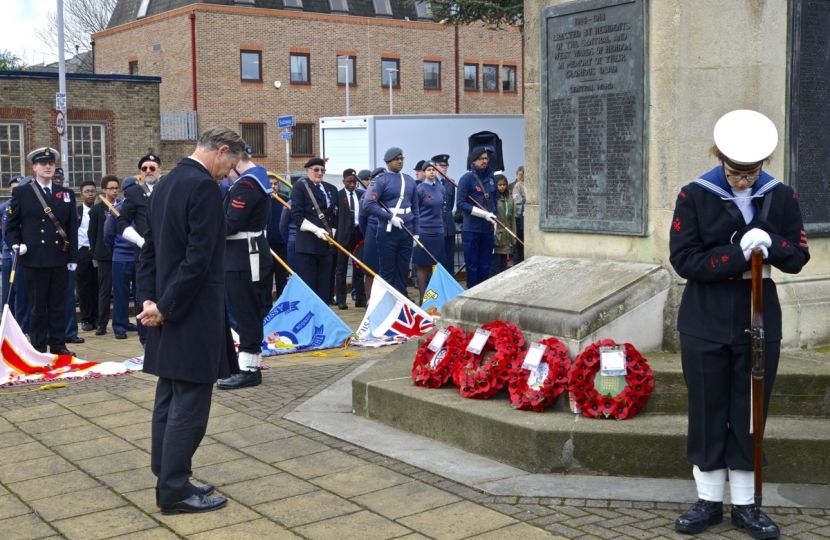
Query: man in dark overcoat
x,y
189,345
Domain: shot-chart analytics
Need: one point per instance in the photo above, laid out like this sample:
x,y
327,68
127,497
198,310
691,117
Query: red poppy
x,y
480,376
432,369
537,398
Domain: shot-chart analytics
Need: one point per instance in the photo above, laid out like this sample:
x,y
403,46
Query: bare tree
x,y
81,19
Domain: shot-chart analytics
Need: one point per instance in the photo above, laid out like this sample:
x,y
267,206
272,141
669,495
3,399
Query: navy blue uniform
x,y
449,222
18,305
477,234
431,222
394,245
314,256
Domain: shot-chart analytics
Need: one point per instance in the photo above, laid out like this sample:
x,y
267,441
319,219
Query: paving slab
x,y
14,438
158,533
210,454
93,448
34,468
250,530
282,449
41,412
25,527
358,526
26,450
320,464
187,524
132,480
365,479
307,508
134,416
222,474
10,506
62,421
269,488
405,500
251,436
519,531
77,503
121,461
106,524
456,521
72,435
56,484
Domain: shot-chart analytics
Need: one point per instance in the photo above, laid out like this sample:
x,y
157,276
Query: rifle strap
x,y
483,191
48,210
320,214
145,189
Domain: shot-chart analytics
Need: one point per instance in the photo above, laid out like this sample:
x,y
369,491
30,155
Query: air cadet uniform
x,y
247,258
368,223
447,212
477,231
48,251
397,192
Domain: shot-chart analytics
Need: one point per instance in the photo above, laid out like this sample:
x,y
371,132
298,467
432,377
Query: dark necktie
x,y
351,201
48,191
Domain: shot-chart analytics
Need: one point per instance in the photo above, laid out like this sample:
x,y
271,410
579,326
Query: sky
x,y
19,26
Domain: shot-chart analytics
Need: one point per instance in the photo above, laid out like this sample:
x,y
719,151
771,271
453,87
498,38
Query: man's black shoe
x,y
699,516
194,504
121,335
242,379
359,304
75,339
101,330
63,351
131,327
87,327
342,305
743,517
205,490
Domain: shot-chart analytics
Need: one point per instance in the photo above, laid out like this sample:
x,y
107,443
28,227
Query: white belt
x,y
403,211
766,271
253,252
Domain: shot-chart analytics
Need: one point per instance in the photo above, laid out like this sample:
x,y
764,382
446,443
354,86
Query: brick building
x,y
112,120
221,60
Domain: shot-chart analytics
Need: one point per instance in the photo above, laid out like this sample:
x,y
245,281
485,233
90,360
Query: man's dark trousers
x,y
86,280
180,418
245,296
48,311
104,292
343,263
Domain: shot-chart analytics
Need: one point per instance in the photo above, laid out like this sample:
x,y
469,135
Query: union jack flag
x,y
409,324
391,316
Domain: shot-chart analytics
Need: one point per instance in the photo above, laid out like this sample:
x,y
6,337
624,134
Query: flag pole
x,y
111,207
11,275
499,223
282,262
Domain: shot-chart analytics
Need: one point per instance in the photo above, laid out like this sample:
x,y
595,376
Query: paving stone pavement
x,y
74,463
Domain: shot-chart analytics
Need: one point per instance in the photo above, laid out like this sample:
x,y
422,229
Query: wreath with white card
x,y
541,376
437,357
609,400
488,357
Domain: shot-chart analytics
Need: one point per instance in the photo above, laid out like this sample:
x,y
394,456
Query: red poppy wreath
x,y
537,389
479,376
638,377
433,368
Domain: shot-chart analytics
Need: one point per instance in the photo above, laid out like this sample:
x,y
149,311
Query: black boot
x,y
243,379
743,517
699,516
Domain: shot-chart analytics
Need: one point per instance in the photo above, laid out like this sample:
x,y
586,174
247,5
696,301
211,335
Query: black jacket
x,y
183,270
28,224
247,208
302,208
97,216
134,211
345,216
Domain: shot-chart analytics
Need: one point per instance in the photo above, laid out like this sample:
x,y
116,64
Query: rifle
x,y
758,355
499,223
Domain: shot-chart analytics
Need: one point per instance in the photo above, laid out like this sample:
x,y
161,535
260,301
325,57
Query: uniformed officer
x,y
441,163
43,228
247,258
718,220
18,304
477,231
430,205
314,212
397,192
419,172
133,219
368,224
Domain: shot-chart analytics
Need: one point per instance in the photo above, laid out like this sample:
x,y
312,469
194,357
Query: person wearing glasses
x,y
101,253
478,228
718,220
133,219
314,212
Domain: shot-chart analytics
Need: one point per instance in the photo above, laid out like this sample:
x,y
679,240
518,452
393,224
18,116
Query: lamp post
x,y
346,60
390,70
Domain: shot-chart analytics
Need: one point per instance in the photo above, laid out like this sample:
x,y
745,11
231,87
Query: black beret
x,y
477,151
149,157
314,161
58,172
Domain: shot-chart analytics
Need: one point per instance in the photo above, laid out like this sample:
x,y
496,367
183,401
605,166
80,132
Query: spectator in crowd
x,y
289,231
519,199
86,276
18,306
430,206
419,172
276,276
101,252
477,234
348,236
507,215
57,178
123,267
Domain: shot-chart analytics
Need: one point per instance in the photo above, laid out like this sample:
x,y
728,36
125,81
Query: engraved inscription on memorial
x,y
593,97
810,112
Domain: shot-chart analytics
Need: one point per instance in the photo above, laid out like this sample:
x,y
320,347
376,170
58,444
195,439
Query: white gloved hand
x,y
478,212
748,252
94,263
21,249
755,238
307,226
321,234
396,222
71,266
131,235
415,238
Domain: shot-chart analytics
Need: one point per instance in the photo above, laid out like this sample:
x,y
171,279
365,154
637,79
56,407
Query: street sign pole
x,y
287,160
286,122
62,89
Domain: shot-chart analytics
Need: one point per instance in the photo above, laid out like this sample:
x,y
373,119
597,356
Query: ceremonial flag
x,y
391,317
301,321
22,364
441,288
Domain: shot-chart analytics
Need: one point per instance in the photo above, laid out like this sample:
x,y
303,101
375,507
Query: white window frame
x,y
142,9
5,127
76,174
296,4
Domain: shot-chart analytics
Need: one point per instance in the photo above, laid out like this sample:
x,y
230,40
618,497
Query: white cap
x,y
745,137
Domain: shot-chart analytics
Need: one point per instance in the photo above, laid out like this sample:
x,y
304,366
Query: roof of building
x,y
127,11
79,76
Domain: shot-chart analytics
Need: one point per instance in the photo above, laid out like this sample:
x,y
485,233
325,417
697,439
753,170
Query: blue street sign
x,y
285,121
286,134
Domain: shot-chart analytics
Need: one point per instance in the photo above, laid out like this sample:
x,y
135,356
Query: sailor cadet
x,y
441,162
477,231
43,228
396,192
247,258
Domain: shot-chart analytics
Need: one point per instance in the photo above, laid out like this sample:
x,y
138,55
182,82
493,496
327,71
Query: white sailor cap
x,y
45,154
745,138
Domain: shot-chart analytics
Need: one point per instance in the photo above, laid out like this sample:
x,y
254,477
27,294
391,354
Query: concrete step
x,y
652,445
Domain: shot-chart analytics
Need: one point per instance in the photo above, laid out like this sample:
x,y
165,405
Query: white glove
x,y
131,235
748,252
321,234
396,222
478,212
308,226
755,238
415,238
94,263
71,266
21,249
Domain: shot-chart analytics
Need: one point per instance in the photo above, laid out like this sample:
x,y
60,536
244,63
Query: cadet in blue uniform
x,y
18,306
247,259
368,224
431,221
477,231
48,248
441,162
397,191
718,220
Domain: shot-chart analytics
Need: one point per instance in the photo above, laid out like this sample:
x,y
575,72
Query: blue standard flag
x,y
441,288
300,321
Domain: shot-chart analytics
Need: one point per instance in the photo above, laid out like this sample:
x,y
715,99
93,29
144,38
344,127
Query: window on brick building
x,y
254,135
508,78
422,10
300,73
87,152
432,75
342,64
250,66
302,140
382,7
142,9
12,149
470,76
341,6
293,4
490,78
390,67
133,67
